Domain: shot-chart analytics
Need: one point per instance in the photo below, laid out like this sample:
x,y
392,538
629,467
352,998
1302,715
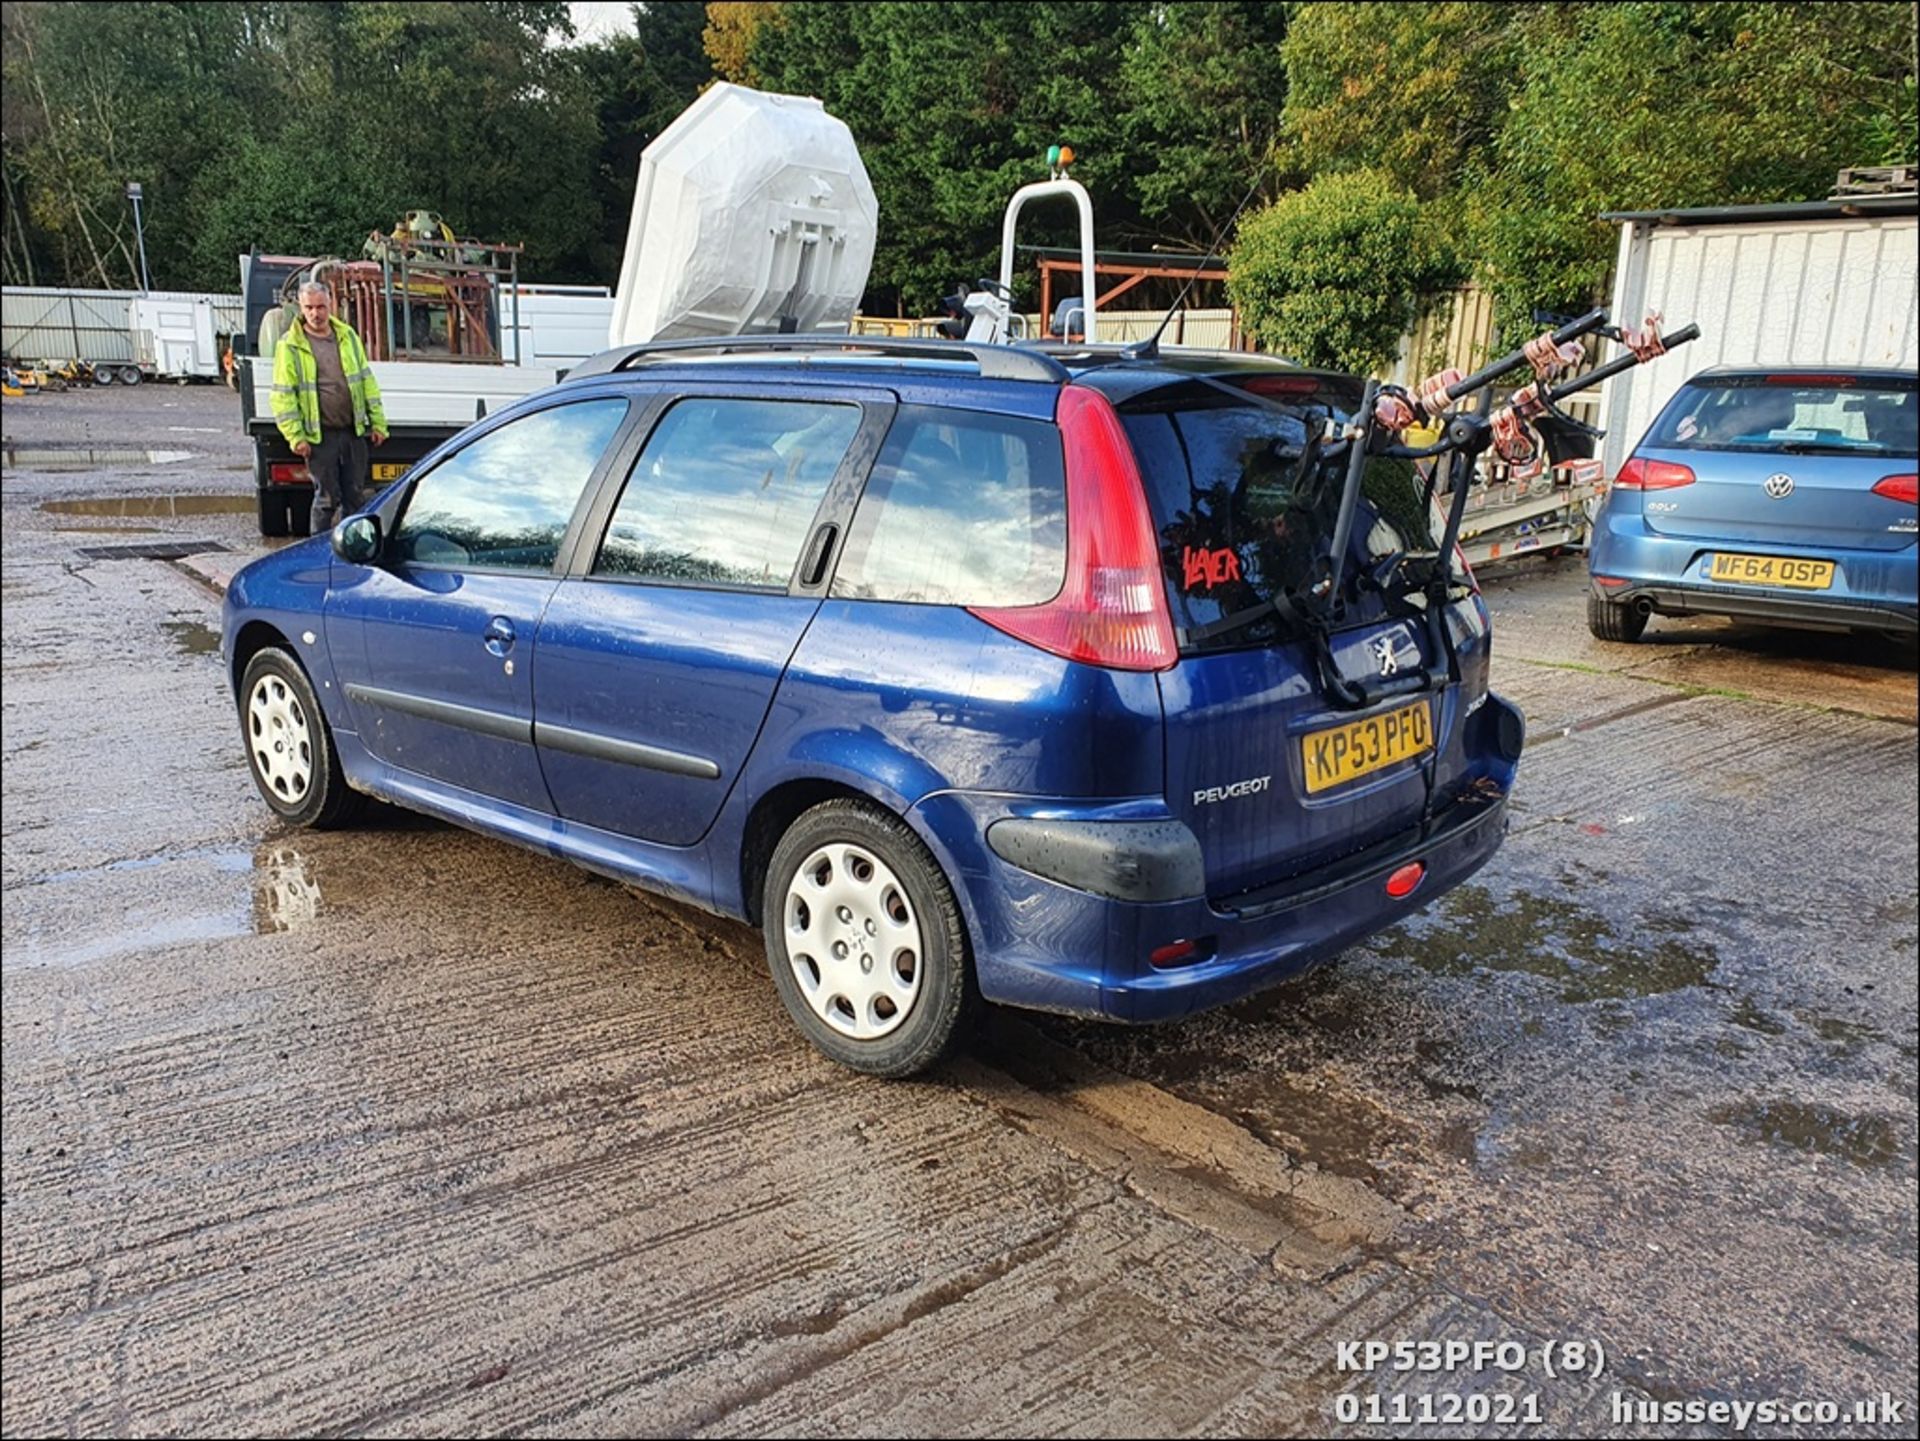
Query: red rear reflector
x,y
1182,953
1638,474
1904,488
1112,610
1611,582
287,473
1406,880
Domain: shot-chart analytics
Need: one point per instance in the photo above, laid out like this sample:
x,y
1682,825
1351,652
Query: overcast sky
x,y
598,19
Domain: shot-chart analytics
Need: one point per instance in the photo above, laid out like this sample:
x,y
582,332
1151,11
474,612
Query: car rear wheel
x,y
290,750
1610,620
865,941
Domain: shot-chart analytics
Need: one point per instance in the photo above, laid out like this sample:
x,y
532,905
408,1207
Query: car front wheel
x,y
290,750
865,940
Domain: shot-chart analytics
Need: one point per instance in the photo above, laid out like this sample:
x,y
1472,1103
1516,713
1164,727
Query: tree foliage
x,y
729,34
1653,105
1330,275
289,127
1519,125
299,127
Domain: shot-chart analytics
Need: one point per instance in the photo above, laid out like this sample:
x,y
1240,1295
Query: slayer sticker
x,y
1207,568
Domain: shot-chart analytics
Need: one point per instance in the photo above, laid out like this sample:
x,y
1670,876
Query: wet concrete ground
x,y
402,1131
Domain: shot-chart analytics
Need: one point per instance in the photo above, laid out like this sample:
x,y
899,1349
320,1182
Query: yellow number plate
x,y
1345,753
1771,570
388,472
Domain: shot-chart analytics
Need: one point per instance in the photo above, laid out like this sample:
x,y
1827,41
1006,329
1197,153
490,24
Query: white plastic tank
x,y
753,215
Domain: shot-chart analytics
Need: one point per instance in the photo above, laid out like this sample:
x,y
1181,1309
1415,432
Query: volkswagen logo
x,y
1779,485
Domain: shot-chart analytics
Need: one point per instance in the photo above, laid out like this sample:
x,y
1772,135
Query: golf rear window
x,y
1841,413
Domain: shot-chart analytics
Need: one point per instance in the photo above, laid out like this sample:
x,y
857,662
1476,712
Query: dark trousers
x,y
339,466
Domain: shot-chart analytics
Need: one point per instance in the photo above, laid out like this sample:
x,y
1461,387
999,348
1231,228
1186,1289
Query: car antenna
x,y
1149,349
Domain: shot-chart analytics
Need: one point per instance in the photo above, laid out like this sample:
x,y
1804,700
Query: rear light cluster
x,y
287,472
1112,610
1638,474
1903,488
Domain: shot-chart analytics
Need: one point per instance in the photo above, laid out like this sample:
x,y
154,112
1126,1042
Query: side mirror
x,y
357,539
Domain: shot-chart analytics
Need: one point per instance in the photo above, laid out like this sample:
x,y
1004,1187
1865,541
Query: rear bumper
x,y
1045,945
1773,606
1871,590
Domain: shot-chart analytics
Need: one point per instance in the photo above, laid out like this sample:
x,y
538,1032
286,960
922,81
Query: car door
x,y
433,642
658,656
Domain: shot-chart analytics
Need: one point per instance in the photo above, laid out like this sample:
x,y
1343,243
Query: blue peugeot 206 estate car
x,y
968,673
1776,495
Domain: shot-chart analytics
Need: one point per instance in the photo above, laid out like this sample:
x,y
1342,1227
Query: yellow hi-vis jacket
x,y
296,385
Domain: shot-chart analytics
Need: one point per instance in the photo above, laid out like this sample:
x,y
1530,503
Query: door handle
x,y
499,635
815,570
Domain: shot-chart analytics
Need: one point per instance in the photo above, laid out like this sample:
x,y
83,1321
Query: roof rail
x,y
1125,350
996,362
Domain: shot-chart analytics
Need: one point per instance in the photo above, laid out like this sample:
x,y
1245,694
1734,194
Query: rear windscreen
x,y
1837,414
1246,503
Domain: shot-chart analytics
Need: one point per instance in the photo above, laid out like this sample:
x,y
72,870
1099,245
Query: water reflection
x,y
285,896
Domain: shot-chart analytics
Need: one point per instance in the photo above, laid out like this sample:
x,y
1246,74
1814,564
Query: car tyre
x,y
290,750
1610,620
865,940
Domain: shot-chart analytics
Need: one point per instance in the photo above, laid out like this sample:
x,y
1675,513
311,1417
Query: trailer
x,y
175,338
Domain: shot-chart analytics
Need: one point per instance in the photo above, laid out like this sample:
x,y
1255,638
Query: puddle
x,y
23,457
270,891
1336,1130
1863,1140
169,505
1844,1037
1750,1017
192,637
1560,940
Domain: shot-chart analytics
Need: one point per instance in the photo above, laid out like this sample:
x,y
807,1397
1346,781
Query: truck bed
x,y
414,392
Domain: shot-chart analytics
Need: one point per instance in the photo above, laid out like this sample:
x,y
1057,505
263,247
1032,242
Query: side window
x,y
504,501
726,490
961,509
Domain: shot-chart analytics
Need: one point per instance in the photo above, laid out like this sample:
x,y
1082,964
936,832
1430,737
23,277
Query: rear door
x,y
1787,460
1273,775
658,655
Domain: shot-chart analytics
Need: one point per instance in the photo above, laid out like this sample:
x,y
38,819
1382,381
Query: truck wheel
x,y
865,940
130,375
103,375
273,513
1610,620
